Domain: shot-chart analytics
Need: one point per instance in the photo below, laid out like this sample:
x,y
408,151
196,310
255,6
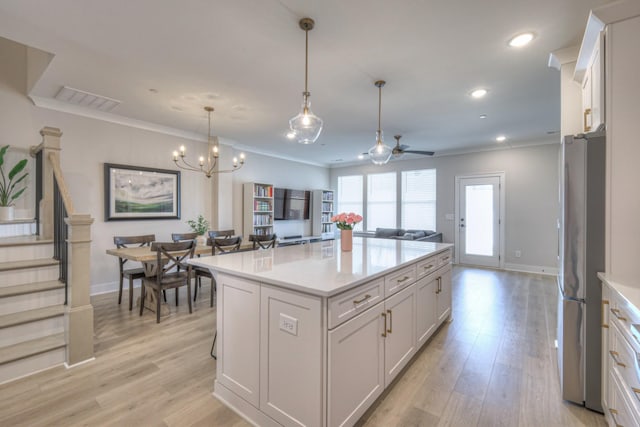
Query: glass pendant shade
x,y
306,126
381,152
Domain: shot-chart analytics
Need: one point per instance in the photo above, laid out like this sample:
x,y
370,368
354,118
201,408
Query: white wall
x,y
531,185
87,144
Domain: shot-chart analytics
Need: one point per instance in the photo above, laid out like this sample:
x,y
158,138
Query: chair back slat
x,y
177,237
267,241
225,244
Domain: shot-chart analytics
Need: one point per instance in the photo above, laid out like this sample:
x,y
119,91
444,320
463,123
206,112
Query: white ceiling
x,y
246,59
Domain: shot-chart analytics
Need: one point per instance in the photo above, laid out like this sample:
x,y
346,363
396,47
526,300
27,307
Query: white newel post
x,y
79,311
50,144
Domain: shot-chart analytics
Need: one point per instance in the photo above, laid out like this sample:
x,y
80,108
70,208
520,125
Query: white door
x,y
479,223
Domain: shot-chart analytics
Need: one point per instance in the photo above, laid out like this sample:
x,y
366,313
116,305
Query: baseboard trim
x,y
66,365
109,287
548,271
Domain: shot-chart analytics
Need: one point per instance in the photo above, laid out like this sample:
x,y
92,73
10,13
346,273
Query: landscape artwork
x,y
133,192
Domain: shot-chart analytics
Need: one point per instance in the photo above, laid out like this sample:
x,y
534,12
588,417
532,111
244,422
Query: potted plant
x,y
9,188
200,225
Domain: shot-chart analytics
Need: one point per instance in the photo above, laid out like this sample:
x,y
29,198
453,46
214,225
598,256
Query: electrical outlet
x,y
518,254
288,324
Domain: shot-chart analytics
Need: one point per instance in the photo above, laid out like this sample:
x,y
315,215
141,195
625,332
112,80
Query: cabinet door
x,y
597,85
400,340
356,366
239,336
444,296
426,308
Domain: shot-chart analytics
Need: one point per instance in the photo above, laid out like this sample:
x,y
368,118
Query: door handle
x,y
390,330
587,112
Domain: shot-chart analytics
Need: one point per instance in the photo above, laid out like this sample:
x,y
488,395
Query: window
x,y
418,204
381,201
350,196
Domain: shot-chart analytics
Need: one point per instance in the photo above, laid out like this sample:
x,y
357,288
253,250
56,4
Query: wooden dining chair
x,y
130,273
263,241
170,256
179,237
219,245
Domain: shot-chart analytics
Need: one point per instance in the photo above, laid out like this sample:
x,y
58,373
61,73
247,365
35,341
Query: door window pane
x,y
418,200
381,200
478,220
350,196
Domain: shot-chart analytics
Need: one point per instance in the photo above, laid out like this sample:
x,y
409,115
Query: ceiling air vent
x,y
86,99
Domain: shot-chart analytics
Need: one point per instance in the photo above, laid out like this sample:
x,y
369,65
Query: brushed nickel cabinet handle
x,y
604,311
404,279
614,356
390,321
384,331
359,301
613,413
428,267
636,390
618,314
445,259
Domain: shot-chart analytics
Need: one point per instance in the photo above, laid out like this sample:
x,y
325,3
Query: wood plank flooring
x,y
492,366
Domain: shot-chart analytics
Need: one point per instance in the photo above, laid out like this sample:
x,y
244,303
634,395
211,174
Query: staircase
x,y
32,300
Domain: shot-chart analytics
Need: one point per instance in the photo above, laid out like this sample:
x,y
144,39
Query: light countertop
x,y
630,293
322,268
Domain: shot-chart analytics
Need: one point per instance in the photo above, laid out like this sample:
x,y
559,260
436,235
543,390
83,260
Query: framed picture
x,y
133,192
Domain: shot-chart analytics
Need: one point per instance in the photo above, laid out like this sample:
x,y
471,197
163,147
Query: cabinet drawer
x,y
349,304
444,258
620,411
428,266
399,280
623,358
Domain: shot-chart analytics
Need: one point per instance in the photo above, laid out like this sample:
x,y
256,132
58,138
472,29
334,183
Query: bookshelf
x,y
323,209
258,209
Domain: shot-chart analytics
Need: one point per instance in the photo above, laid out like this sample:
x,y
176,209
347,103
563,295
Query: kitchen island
x,y
310,335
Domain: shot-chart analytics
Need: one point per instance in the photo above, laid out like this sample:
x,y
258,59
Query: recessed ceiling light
x,y
479,93
483,116
291,134
501,138
152,90
521,40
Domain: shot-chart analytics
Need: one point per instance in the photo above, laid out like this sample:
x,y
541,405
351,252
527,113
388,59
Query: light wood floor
x,y
492,366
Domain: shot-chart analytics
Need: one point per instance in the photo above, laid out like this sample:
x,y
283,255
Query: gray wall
x,y
531,187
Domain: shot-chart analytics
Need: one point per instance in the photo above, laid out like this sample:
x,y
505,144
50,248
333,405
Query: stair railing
x,y
71,234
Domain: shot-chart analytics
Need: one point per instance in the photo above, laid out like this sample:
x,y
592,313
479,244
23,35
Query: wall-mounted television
x,y
291,204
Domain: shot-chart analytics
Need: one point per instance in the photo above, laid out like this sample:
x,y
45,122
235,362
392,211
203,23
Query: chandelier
x,y
381,152
306,126
206,166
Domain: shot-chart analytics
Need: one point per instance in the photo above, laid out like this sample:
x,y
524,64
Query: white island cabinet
x,y
311,336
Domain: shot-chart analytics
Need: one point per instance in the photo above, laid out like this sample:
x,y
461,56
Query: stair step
x,y
30,288
31,348
23,240
32,263
30,316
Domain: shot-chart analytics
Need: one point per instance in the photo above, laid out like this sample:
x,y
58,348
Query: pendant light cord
x,y
379,105
306,60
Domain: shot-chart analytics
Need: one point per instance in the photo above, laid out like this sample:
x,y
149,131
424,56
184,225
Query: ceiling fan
x,y
399,150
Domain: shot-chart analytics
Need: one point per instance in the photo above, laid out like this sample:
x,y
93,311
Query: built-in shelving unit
x,y
258,209
323,210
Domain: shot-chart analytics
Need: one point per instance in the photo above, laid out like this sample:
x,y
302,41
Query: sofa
x,y
401,234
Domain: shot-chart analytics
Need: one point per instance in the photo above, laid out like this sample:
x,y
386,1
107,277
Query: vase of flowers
x,y
200,226
345,222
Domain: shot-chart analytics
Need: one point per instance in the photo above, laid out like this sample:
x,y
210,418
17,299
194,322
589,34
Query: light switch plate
x,y
288,324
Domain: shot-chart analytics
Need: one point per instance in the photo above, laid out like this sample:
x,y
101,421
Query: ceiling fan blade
x,y
404,147
424,153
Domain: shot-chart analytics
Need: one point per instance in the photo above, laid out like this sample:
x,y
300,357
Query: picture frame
x,y
140,193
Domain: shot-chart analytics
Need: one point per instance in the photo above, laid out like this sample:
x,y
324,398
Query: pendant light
x,y
380,153
306,126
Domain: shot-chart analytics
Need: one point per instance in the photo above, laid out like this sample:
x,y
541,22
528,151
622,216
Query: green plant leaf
x,y
2,151
16,195
17,168
18,181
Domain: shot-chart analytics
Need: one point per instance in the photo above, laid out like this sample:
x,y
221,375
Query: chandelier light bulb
x,y
182,150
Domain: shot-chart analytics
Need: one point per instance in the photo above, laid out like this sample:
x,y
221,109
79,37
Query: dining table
x,y
149,259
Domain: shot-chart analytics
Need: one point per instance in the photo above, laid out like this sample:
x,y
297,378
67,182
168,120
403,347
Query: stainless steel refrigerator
x,y
581,256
